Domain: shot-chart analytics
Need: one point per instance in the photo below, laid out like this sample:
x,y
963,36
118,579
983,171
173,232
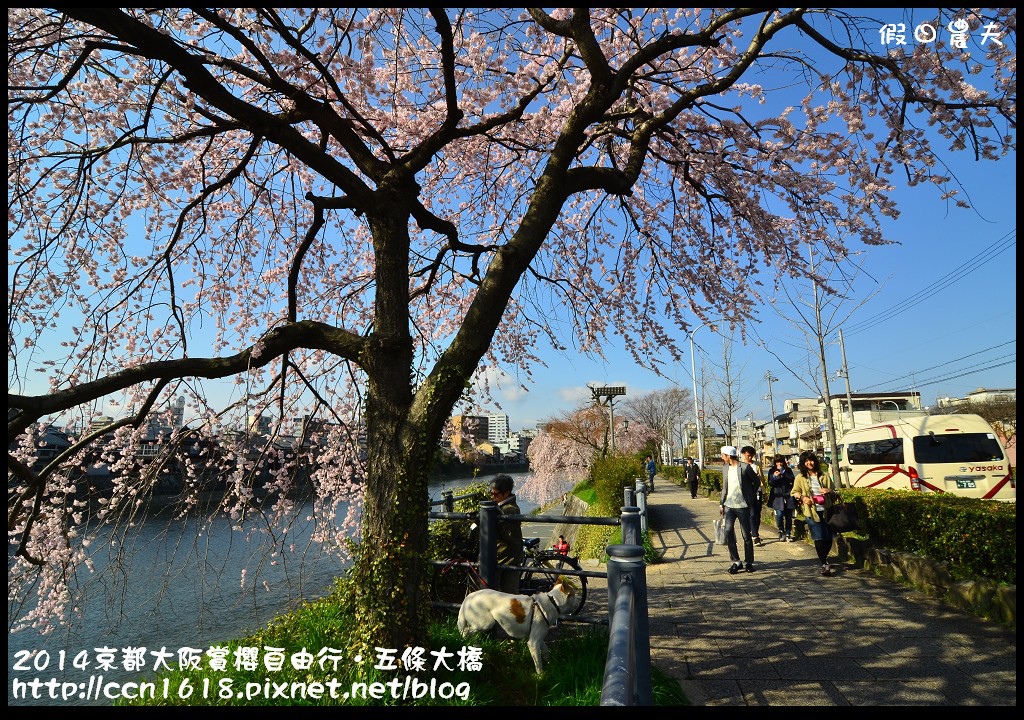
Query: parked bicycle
x,y
547,566
460,574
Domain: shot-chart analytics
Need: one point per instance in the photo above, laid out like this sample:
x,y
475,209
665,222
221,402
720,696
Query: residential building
x,y
99,422
802,425
981,395
519,442
497,428
178,413
259,424
743,433
469,430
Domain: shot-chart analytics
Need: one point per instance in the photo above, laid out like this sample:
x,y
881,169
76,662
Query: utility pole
x,y
699,412
845,373
771,404
830,427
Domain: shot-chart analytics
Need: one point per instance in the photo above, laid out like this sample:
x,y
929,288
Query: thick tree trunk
x,y
392,610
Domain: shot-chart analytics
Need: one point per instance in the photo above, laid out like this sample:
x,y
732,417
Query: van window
x,y
888,451
958,448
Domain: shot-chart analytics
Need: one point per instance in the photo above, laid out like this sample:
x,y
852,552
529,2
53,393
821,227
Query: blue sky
x,y
941,318
934,313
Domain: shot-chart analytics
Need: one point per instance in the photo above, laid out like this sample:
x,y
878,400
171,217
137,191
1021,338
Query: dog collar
x,y
544,613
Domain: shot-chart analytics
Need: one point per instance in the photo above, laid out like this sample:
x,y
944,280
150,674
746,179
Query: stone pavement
x,y
784,635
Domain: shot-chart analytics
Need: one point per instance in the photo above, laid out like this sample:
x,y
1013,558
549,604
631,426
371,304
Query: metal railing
x,y
627,676
488,518
627,669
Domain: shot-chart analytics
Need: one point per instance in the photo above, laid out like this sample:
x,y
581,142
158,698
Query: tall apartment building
x,y
472,429
497,429
178,413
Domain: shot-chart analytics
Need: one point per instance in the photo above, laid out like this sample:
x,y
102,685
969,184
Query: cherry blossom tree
x,y
662,410
565,450
345,213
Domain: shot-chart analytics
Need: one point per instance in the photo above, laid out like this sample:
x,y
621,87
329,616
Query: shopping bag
x,y
720,531
843,518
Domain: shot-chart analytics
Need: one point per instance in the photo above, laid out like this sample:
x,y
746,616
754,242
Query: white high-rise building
x,y
497,429
178,413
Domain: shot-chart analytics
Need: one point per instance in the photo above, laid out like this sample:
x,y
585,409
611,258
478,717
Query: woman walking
x,y
780,482
809,491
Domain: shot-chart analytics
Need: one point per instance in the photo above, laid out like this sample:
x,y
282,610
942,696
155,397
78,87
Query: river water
x,y
175,588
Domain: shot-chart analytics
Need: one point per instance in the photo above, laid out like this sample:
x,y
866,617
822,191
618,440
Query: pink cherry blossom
x,y
343,214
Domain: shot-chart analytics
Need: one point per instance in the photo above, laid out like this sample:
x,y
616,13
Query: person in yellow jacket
x,y
809,489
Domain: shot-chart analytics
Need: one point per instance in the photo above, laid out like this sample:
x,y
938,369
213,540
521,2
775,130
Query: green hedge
x,y
609,477
977,538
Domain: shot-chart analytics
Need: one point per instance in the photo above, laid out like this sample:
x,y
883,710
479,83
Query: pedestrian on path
x,y
780,482
692,475
810,488
739,485
748,453
652,470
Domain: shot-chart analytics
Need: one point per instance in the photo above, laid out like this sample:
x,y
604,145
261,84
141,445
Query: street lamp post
x,y
609,394
696,411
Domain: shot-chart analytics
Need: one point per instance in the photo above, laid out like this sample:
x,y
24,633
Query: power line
x,y
971,368
935,367
961,374
963,270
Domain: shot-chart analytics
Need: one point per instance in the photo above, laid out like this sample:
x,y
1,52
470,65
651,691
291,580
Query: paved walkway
x,y
785,635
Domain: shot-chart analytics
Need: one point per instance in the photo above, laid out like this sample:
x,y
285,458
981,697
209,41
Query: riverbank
x,y
193,581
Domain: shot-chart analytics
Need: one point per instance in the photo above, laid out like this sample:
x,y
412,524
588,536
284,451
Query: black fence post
x,y
619,666
641,496
489,542
628,665
630,521
628,498
642,649
449,500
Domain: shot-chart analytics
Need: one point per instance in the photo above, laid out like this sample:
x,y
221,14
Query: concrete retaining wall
x,y
979,596
571,505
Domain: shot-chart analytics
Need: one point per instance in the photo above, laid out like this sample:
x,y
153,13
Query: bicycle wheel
x,y
453,581
549,566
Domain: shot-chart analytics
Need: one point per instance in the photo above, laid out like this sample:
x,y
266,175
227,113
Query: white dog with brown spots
x,y
528,617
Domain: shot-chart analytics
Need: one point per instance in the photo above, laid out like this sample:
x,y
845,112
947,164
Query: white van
x,y
958,454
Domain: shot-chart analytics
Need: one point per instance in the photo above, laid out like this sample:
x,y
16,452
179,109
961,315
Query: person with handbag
x,y
810,488
781,480
739,486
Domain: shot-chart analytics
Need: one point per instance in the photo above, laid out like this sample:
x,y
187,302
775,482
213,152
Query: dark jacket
x,y
749,484
693,472
510,534
781,484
